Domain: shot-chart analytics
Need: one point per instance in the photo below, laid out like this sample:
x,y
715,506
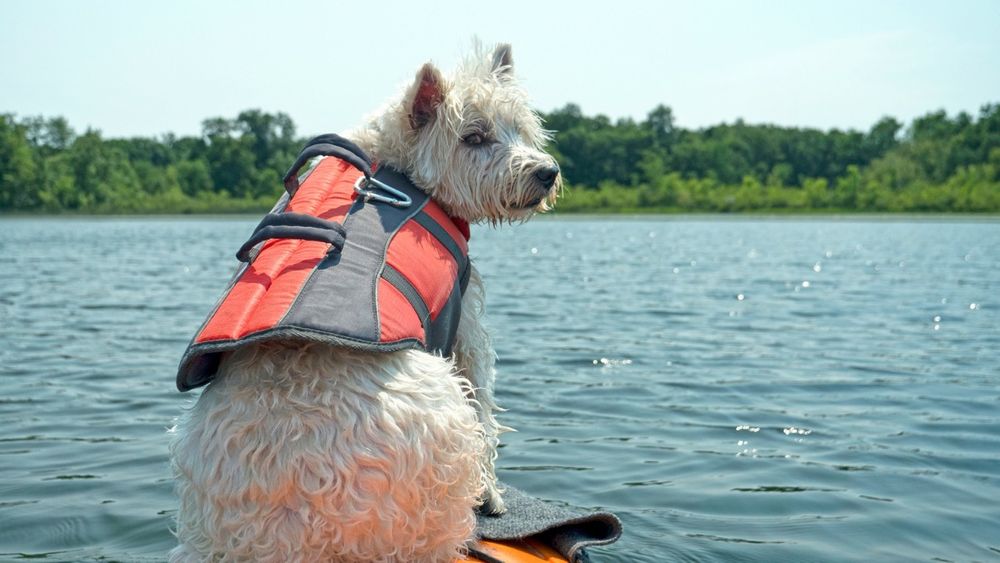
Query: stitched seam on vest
x,y
280,333
309,278
432,226
419,200
411,294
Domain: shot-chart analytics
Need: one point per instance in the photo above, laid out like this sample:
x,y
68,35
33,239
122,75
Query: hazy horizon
x,y
136,69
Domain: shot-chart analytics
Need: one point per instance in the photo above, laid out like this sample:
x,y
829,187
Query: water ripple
x,y
739,390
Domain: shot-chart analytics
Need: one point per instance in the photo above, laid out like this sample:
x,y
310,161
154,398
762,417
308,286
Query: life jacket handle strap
x,y
293,226
328,145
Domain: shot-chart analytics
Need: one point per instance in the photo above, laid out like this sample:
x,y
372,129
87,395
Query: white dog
x,y
309,452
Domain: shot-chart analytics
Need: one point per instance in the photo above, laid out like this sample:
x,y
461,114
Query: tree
x,y
18,168
102,175
660,123
881,138
269,135
194,177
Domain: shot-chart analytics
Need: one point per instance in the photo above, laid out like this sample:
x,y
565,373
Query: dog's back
x,y
310,453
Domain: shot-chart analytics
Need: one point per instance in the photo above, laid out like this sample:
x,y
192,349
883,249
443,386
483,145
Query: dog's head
x,y
473,142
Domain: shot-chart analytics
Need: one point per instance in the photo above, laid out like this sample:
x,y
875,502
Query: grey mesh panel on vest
x,y
348,280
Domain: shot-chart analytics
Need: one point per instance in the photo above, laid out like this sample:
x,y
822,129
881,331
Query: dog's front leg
x,y
475,359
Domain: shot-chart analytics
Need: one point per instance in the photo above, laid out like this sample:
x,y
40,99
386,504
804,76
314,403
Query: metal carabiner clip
x,y
402,200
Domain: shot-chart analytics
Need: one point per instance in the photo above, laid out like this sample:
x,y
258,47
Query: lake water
x,y
735,390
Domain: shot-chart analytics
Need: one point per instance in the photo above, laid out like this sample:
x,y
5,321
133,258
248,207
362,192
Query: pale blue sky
x,y
145,68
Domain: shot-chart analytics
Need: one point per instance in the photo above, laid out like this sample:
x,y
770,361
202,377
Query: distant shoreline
x,y
825,215
939,164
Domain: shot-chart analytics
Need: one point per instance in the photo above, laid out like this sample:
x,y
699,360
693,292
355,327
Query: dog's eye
x,y
473,139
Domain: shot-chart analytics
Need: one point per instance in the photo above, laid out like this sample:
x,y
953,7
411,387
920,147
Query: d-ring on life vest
x,y
346,257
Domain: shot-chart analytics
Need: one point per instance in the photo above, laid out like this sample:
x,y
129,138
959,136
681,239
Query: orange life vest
x,y
348,258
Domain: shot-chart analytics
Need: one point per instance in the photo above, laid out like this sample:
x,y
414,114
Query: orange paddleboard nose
x,y
524,551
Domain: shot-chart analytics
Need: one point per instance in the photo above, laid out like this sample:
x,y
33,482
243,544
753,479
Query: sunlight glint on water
x,y
758,390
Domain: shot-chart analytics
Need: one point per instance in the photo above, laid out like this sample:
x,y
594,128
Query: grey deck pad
x,y
567,530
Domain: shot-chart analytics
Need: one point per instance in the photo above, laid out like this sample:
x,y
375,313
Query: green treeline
x,y
235,165
936,164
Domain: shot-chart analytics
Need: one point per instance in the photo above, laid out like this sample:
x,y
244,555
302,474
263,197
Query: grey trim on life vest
x,y
432,226
201,361
463,277
411,294
440,335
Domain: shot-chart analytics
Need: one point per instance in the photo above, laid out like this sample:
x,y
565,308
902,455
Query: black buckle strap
x,y
334,145
294,226
287,225
328,145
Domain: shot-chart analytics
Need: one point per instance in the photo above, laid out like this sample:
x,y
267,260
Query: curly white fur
x,y
306,452
492,181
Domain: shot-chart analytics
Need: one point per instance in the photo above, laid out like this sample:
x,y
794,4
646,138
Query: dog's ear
x,y
425,95
503,61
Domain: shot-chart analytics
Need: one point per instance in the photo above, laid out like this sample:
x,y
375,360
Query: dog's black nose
x,y
547,175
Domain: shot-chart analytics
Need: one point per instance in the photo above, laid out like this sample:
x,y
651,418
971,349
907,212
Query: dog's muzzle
x,y
547,175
